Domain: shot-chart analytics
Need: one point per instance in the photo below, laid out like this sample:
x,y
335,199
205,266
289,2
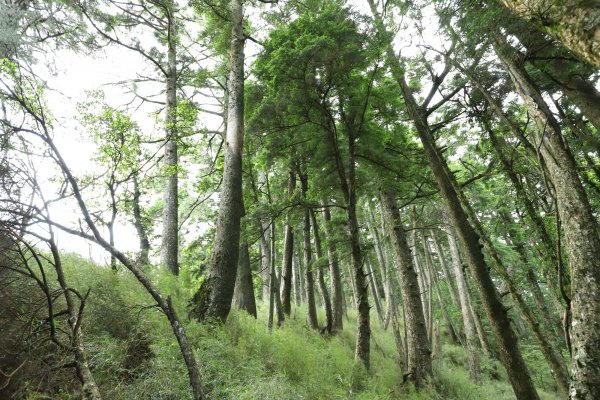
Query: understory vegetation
x,y
133,354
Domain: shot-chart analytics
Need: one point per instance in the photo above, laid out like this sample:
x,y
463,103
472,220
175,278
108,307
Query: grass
x,y
241,360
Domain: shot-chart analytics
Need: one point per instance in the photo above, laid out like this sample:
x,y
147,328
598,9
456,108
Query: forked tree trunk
x,y
213,299
417,343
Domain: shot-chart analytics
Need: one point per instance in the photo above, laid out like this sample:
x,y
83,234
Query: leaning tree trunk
x,y
575,23
213,299
417,343
170,233
465,307
510,354
580,226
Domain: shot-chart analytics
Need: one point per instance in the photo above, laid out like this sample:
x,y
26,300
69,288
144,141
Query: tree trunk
x,y
575,23
140,227
335,278
510,354
326,300
435,284
297,273
170,233
288,252
418,350
311,309
374,291
581,230
348,189
421,280
244,286
449,278
467,314
213,299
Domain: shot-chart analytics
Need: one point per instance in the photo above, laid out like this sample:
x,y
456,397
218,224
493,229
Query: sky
x,y
69,76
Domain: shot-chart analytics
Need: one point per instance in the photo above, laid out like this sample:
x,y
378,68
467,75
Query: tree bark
x,y
326,300
435,284
575,23
467,313
581,230
335,278
170,233
140,227
213,299
244,287
288,252
374,290
510,354
418,348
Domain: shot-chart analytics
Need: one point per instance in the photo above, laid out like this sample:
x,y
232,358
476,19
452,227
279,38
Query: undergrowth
x,y
241,360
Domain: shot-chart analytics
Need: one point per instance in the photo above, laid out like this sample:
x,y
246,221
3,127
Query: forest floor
x,y
133,354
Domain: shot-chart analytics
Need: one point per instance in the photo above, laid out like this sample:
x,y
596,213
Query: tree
x,y
213,299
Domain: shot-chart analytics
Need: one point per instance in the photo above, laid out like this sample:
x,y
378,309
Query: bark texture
x,y
510,354
335,278
213,299
244,287
580,226
170,233
575,23
417,343
288,253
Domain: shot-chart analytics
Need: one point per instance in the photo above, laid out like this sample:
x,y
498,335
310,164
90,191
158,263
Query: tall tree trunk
x,y
213,299
510,354
421,280
575,23
335,277
311,308
467,314
288,252
170,232
326,300
581,229
348,189
244,287
418,349
309,285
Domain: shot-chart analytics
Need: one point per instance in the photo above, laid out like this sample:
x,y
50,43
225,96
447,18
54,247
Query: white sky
x,y
73,74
